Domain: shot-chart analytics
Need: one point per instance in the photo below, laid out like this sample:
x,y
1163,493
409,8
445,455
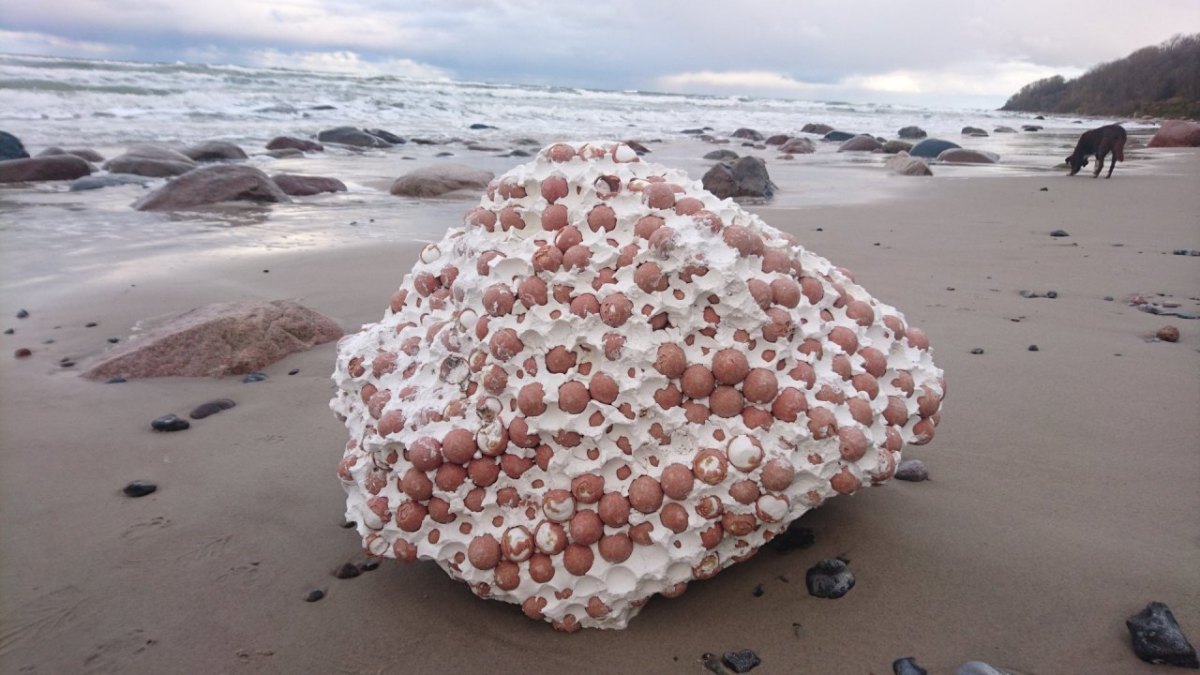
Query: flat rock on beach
x,y
440,179
213,185
219,339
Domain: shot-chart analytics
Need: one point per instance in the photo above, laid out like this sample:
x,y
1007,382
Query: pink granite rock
x,y
219,339
1177,134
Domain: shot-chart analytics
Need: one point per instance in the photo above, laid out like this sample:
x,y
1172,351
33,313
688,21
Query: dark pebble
x,y
370,564
1045,189
314,595
9,331
266,271
293,371
48,341
1033,348
1108,298
1157,637
114,340
741,661
907,666
912,470
1051,294
254,377
977,350
90,324
712,663
115,380
978,668
829,578
211,408
170,423
64,359
1059,233
793,538
1028,294
758,591
23,314
347,571
67,364
349,524
139,488
23,352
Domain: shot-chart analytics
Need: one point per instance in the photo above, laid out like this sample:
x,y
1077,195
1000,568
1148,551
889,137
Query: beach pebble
x,y
1033,348
830,578
907,666
170,423
314,595
741,661
293,371
1059,233
977,350
23,352
211,408
114,340
254,377
370,564
978,668
1157,637
1168,334
23,314
139,488
912,470
347,571
9,331
115,380
1051,294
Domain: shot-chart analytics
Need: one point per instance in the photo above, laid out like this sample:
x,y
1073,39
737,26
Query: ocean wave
x,y
56,85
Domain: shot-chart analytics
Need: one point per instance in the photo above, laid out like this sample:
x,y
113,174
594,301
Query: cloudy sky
x,y
948,52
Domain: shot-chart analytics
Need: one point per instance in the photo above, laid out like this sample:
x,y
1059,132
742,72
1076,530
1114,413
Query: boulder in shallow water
x,y
82,153
798,146
838,136
302,144
54,167
297,185
147,166
816,128
11,147
893,147
746,177
722,155
777,139
911,132
439,179
930,148
212,185
907,165
973,131
965,156
1176,134
219,339
352,136
861,143
1004,130
748,134
214,151
387,136
152,151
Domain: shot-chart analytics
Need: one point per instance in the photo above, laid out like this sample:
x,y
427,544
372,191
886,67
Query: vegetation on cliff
x,y
1158,81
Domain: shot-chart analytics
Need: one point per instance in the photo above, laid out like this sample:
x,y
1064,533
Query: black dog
x,y
1099,142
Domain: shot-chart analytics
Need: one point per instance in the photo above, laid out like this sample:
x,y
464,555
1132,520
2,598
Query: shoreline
x,y
1059,503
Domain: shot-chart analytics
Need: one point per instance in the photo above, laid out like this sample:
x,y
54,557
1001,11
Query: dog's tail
x,y
1119,150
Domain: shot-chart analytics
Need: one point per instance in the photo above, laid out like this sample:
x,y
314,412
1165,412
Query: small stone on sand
x,y
977,350
139,488
170,423
211,408
23,352
314,595
1157,637
114,380
829,578
23,314
370,564
741,661
254,377
907,666
347,571
1168,334
912,470
1059,233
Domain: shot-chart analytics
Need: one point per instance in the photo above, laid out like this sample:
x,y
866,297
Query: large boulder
x,y
777,139
747,177
82,153
906,165
965,156
151,151
748,134
721,155
816,128
214,151
55,167
438,179
212,185
287,142
154,161
892,147
911,132
387,136
798,146
302,186
973,131
11,147
930,148
352,136
838,136
861,143
1176,134
1004,130
227,338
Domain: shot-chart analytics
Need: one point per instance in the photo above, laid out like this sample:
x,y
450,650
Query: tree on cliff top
x,y
1161,81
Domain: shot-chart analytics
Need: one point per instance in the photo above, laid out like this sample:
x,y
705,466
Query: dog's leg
x,y
1099,164
1118,153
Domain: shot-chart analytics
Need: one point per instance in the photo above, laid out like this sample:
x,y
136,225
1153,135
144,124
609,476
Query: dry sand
x,y
1064,494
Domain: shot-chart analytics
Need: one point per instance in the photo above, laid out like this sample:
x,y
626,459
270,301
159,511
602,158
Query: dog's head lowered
x,y
1076,163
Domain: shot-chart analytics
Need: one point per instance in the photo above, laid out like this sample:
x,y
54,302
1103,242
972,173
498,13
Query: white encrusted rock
x,y
608,383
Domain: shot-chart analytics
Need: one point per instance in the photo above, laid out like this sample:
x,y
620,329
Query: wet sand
x,y
1063,495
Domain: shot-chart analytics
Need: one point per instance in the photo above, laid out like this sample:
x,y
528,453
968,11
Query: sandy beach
x,y
1063,492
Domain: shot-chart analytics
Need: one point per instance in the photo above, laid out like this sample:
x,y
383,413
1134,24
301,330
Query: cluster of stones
x,y
608,383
